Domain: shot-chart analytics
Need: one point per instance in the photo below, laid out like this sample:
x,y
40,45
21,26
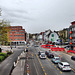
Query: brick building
x,y
17,34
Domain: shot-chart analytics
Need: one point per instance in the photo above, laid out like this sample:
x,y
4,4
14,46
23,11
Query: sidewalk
x,y
19,69
8,48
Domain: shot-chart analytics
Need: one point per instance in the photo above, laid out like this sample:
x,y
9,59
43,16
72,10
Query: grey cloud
x,y
39,15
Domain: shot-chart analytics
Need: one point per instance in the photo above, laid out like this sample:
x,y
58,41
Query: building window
x,y
10,39
15,27
15,30
12,27
19,27
22,35
11,36
14,35
10,32
21,30
72,29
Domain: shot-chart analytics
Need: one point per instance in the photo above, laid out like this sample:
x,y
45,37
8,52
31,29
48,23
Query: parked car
x,y
46,52
73,57
64,66
67,47
39,53
56,60
42,56
36,45
50,55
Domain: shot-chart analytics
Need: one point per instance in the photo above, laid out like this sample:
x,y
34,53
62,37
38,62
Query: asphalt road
x,y
6,65
39,66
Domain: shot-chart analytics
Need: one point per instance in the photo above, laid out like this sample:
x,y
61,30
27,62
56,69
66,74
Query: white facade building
x,y
54,37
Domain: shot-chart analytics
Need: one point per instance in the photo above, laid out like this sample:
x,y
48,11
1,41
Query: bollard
x,y
18,57
14,64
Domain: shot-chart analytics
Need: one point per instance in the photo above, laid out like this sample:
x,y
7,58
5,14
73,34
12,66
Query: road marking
x,y
47,58
52,64
41,64
45,73
60,72
72,69
57,69
21,62
38,49
43,70
32,54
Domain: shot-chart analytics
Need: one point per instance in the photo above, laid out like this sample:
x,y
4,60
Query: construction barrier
x,y
47,46
57,49
71,51
27,69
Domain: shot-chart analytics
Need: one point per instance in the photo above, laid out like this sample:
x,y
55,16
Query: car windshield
x,y
41,52
43,55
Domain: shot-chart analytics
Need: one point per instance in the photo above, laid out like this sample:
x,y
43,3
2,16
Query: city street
x,y
46,66
37,37
37,66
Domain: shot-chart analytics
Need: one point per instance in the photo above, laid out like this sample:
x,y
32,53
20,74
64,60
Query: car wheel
x,y
58,66
62,70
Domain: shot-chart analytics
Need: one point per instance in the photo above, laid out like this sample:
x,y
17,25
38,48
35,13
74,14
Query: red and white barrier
x,y
27,69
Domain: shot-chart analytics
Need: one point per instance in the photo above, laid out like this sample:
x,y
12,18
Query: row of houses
x,y
67,35
46,36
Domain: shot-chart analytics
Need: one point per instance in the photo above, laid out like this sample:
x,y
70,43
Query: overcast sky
x,y
38,15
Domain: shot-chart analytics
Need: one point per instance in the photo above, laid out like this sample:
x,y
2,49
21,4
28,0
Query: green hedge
x,y
3,54
2,58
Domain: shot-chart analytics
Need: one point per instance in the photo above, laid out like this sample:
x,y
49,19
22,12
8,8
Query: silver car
x,y
64,66
56,60
42,56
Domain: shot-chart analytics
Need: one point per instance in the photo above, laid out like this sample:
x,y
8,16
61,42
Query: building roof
x,y
73,22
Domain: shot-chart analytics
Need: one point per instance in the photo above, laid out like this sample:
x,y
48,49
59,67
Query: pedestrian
x,y
11,47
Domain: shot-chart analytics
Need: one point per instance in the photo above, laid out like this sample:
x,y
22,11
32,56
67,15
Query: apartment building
x,y
72,33
17,34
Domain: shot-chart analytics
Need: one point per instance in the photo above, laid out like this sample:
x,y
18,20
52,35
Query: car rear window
x,y
57,58
73,56
67,65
